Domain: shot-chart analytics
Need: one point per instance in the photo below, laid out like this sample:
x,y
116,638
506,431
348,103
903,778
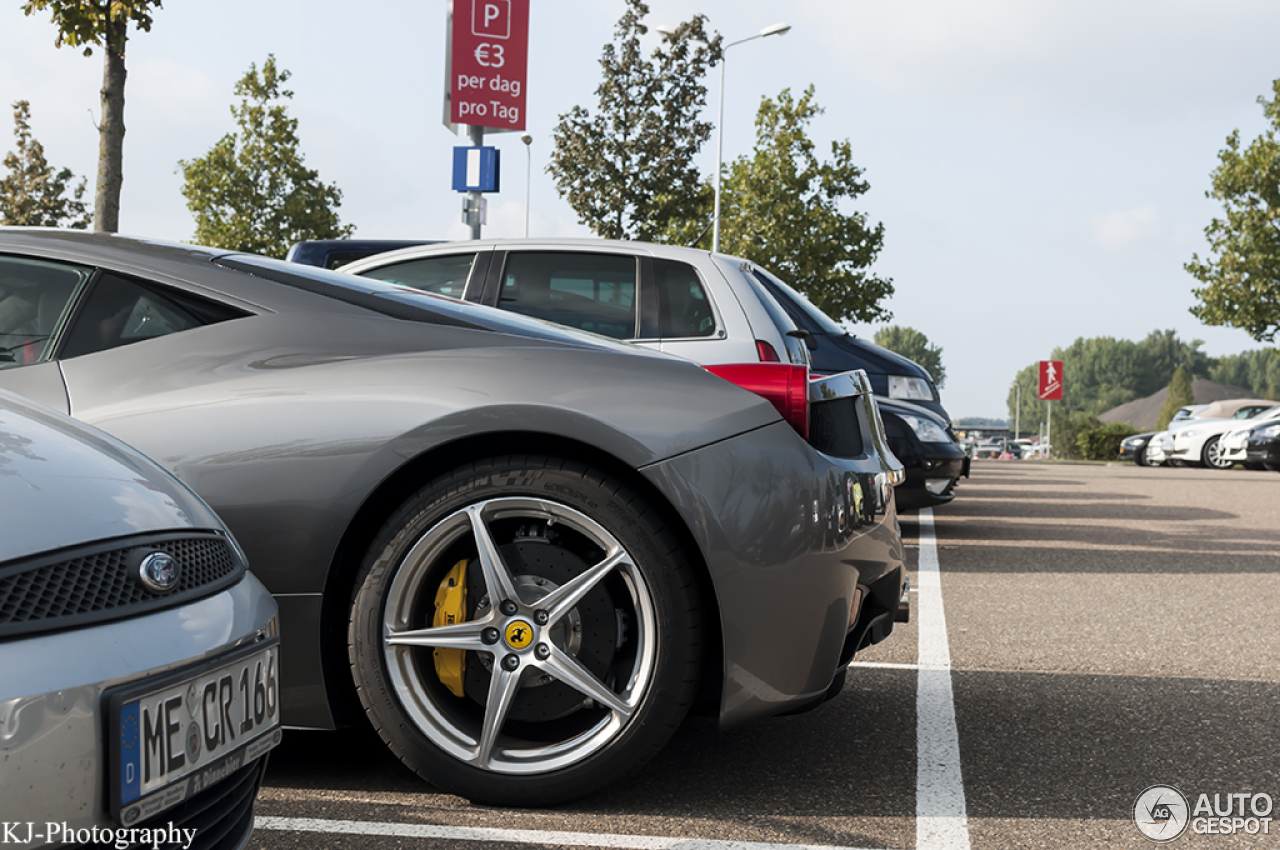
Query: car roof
x,y
273,284
1223,408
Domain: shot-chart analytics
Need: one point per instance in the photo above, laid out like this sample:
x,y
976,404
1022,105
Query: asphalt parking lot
x,y
1079,633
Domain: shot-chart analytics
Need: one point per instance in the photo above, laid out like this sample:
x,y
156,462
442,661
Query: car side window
x,y
35,298
683,307
120,311
445,275
590,292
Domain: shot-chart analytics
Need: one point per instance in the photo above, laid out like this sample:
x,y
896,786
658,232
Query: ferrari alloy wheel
x,y
1211,455
525,631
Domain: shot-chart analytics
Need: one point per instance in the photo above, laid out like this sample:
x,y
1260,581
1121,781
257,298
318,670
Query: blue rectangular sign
x,y
475,169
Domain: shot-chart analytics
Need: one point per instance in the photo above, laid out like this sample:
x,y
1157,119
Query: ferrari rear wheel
x,y
524,631
1211,455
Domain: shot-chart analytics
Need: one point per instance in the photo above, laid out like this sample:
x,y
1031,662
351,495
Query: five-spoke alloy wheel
x,y
1212,454
525,631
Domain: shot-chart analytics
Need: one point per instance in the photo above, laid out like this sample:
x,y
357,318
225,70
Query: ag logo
x,y
1161,813
519,634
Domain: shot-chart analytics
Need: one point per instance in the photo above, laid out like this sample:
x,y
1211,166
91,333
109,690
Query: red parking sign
x,y
1051,380
488,63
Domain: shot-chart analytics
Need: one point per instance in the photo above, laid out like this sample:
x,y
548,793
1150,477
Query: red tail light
x,y
784,386
766,352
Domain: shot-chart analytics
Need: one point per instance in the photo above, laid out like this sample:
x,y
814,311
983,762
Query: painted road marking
x,y
520,836
884,665
941,820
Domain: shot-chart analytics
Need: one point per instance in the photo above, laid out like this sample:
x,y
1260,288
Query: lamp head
x,y
527,139
776,29
665,29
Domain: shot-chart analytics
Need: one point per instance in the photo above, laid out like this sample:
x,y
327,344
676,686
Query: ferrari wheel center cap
x,y
518,634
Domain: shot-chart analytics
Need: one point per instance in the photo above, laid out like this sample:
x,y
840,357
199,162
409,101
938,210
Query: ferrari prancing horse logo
x,y
519,634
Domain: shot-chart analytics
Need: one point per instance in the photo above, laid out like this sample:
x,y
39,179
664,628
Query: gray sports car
x,y
523,552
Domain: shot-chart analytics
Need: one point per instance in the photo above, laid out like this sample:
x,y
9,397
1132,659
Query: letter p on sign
x,y
491,18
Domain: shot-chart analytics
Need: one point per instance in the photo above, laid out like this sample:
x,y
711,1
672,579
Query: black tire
x,y
1141,457
1211,455
595,688
1255,466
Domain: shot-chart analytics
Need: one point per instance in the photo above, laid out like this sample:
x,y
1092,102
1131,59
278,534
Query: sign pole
x,y
486,69
1048,437
475,198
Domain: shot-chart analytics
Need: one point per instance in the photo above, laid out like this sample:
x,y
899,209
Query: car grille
x,y
97,583
834,428
221,815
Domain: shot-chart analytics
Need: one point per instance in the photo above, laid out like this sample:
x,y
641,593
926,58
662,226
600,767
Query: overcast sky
x,y
1040,165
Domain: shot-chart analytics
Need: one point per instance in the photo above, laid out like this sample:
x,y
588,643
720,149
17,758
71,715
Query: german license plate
x,y
175,736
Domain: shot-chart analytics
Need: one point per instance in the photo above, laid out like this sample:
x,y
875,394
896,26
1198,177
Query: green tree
x,y
781,207
1180,395
33,194
628,169
1242,282
913,345
104,24
1102,372
1258,371
252,192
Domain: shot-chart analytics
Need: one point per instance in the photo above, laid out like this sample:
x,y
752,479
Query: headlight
x,y
927,431
912,389
1131,442
1268,433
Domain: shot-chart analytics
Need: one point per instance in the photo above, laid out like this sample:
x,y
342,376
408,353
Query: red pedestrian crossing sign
x,y
1051,380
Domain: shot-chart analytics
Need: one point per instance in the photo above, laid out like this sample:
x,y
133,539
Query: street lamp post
x,y
1017,410
528,169
775,29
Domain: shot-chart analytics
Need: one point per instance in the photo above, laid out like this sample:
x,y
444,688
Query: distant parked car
x,y
1158,449
926,445
1264,446
710,308
1199,441
138,657
1233,408
1135,448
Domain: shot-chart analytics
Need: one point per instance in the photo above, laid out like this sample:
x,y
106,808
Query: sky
x,y
1040,167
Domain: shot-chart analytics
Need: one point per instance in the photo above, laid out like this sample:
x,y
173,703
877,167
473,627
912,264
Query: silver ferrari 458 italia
x,y
522,552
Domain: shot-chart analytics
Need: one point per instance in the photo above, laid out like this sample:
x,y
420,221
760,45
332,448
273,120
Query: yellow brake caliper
x,y
451,606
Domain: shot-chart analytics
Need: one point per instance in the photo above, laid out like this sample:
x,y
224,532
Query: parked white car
x,y
1199,441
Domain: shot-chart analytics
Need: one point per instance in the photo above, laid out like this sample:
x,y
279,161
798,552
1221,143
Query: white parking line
x,y
884,665
941,820
520,836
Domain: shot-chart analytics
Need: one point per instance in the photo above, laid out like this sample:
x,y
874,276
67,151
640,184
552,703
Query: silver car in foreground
x,y
138,695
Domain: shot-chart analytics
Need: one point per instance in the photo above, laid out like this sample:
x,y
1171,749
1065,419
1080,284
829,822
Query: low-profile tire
x,y
580,631
1254,466
1211,455
1141,458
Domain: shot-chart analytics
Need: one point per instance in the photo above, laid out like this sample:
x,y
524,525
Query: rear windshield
x,y
790,296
